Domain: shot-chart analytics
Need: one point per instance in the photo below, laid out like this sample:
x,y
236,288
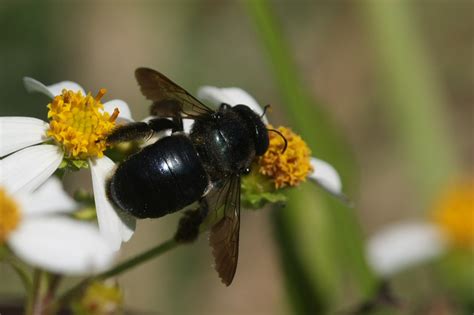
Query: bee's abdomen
x,y
160,179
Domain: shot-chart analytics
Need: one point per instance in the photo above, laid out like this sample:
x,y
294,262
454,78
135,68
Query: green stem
x,y
304,296
21,272
137,260
7,257
34,293
120,268
53,283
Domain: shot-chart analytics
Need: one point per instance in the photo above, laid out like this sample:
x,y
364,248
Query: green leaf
x,y
63,164
257,201
79,164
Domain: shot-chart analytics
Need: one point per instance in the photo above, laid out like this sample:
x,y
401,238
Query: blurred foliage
x,y
456,273
313,221
415,109
422,55
27,49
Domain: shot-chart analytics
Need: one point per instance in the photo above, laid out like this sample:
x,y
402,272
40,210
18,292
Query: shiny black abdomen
x,y
160,179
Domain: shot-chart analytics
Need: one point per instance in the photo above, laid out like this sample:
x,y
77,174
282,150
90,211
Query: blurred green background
x,y
383,90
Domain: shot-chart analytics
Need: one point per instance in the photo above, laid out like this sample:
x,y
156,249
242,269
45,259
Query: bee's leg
x,y
168,108
162,124
188,226
139,130
179,124
129,132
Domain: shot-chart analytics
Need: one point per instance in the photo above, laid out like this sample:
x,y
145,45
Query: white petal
x,y
61,245
125,114
404,245
33,85
232,96
26,170
20,132
48,198
187,124
327,177
115,225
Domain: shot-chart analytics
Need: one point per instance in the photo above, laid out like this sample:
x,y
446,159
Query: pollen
x,y
289,167
454,213
10,216
79,124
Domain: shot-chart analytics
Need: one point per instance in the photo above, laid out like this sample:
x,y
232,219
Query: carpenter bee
x,y
203,166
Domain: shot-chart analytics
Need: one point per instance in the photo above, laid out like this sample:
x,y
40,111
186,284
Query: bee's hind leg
x,y
178,124
188,226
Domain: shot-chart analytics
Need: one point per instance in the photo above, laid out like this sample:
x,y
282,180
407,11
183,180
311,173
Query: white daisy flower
x,y
77,129
404,245
35,227
407,244
323,173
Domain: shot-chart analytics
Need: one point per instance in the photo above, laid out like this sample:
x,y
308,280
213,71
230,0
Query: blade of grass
x,y
414,95
343,231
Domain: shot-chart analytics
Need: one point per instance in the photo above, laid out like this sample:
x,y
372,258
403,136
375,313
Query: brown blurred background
x,y
100,43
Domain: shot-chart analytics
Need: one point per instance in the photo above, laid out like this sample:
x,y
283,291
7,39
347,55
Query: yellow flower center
x,y
455,213
10,216
288,168
79,124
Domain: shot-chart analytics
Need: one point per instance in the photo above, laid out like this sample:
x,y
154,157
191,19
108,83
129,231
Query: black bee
x,y
177,170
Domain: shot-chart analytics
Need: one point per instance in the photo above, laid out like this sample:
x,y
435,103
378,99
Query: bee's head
x,y
255,126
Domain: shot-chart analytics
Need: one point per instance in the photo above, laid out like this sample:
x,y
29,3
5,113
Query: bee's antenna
x,y
282,136
265,109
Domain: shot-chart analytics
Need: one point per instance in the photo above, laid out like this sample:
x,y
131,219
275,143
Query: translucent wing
x,y
224,237
169,99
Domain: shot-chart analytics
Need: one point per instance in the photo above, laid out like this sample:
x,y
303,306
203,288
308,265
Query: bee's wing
x,y
169,99
224,236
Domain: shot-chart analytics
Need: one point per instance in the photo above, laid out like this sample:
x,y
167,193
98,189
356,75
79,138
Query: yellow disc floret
x,y
455,213
10,216
289,167
79,124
